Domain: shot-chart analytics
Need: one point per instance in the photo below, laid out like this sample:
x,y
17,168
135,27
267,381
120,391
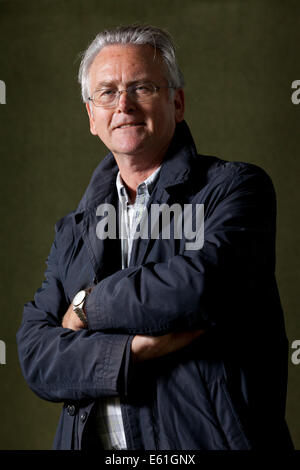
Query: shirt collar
x,y
145,186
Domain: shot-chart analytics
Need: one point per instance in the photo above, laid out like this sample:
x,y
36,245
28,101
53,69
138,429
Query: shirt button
x,y
71,410
83,416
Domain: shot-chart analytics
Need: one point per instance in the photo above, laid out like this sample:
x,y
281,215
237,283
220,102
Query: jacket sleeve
x,y
198,288
61,364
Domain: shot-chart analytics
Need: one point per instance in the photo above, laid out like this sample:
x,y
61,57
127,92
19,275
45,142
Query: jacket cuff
x,y
92,311
117,367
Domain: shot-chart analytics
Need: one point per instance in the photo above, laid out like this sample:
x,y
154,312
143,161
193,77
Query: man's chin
x,y
129,150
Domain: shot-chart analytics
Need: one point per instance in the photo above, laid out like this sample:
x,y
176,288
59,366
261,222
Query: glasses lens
x,y
108,97
142,91
104,97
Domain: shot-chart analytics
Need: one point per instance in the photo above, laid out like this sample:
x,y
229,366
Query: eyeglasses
x,y
141,92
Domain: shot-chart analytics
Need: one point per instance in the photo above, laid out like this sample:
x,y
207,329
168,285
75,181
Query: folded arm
x,y
143,347
61,364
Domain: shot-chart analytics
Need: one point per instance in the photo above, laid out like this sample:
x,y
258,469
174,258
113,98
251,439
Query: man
x,y
156,342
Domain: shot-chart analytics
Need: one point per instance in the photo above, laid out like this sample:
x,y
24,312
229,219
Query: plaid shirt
x,y
109,421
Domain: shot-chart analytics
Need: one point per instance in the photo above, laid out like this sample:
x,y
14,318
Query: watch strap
x,y
80,314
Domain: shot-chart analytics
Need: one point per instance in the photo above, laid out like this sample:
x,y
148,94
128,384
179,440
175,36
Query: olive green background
x,y
239,59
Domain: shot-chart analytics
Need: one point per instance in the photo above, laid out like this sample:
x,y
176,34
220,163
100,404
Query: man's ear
x,y
179,102
91,118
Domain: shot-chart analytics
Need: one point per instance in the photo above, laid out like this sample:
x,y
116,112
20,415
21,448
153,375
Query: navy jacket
x,y
227,389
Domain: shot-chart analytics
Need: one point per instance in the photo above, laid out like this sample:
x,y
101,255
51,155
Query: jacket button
x,y
71,410
83,416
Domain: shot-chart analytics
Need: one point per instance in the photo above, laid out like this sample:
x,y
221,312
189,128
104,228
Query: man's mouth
x,y
130,124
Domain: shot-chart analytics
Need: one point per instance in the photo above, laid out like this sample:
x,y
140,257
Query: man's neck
x,y
135,172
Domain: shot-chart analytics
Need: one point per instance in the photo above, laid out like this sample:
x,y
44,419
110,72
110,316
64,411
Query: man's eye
x,y
107,93
143,88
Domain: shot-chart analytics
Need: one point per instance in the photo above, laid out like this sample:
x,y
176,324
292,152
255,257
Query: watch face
x,y
79,297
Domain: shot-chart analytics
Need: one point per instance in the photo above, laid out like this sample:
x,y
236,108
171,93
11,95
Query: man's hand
x,y
150,347
72,321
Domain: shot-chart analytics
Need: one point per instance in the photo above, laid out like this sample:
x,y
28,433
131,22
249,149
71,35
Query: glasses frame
x,y
119,92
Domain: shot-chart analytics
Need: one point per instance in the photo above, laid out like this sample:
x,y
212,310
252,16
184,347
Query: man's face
x,y
152,123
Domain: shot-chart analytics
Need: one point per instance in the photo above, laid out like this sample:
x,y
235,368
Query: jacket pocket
x,y
228,417
184,412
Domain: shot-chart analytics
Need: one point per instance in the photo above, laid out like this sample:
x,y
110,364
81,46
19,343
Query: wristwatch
x,y
78,304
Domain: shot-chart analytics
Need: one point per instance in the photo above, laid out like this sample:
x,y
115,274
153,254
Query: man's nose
x,y
125,103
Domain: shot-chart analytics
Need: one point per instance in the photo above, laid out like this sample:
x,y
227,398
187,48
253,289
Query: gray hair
x,y
137,34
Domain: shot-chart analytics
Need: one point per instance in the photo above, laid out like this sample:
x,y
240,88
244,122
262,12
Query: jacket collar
x,y
179,157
